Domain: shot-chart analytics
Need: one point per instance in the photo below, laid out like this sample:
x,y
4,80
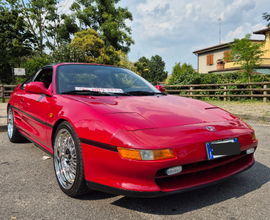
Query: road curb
x,y
3,128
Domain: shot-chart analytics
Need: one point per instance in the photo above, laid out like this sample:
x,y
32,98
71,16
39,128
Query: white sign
x,y
19,72
99,89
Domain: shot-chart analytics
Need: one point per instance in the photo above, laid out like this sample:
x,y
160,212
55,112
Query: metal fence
x,y
224,90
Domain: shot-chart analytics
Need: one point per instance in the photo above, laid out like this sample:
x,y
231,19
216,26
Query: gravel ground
x,y
249,108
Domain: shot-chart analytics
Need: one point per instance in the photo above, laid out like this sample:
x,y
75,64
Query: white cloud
x,y
189,10
244,29
174,29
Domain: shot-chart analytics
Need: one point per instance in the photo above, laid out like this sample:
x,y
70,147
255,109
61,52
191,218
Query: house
x,y
213,59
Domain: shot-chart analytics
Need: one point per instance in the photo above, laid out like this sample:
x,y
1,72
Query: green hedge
x,y
192,77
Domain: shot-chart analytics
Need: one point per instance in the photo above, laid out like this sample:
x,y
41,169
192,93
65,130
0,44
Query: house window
x,y
227,56
210,59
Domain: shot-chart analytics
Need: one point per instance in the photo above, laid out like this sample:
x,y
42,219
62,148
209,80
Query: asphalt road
x,y
28,190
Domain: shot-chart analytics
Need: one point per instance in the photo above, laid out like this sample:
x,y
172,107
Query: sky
x,y
173,29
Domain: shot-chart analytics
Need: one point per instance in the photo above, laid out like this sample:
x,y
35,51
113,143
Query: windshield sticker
x,y
99,89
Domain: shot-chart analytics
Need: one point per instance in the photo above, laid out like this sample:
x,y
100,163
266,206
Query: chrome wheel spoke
x,y
65,158
10,123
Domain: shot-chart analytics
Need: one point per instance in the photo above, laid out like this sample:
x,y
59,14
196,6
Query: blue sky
x,y
174,29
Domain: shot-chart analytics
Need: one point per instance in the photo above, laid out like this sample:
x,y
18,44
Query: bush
x,y
34,63
188,77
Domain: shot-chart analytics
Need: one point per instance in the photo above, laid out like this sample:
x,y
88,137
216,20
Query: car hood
x,y
154,111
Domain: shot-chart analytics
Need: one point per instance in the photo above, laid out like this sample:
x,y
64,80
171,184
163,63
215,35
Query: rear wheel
x,y
13,133
68,161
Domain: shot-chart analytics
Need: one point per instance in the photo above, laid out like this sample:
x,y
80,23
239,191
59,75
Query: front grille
x,y
203,172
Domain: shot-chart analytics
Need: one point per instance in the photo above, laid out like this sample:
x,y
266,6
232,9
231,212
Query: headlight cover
x,y
135,154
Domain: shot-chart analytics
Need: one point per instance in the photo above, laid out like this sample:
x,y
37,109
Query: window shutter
x,y
212,59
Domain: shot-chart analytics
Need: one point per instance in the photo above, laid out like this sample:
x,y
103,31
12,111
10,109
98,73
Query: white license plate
x,y
222,148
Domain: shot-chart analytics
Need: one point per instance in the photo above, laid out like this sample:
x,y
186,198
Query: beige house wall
x,y
218,54
265,58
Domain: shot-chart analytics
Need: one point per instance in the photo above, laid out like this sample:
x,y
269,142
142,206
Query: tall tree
x,y
107,20
40,16
46,24
15,40
247,54
267,18
142,67
157,71
94,48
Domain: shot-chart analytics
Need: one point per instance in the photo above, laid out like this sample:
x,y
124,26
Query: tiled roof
x,y
261,31
219,46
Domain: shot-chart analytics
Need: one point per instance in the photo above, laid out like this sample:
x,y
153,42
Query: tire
x,y
68,161
13,133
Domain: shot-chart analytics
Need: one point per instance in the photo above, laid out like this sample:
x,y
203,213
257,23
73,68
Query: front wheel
x,y
68,161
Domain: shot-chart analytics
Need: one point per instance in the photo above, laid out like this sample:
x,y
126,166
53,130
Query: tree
x,y
156,70
15,40
94,48
108,21
125,62
247,53
46,24
35,62
178,73
267,18
68,53
142,67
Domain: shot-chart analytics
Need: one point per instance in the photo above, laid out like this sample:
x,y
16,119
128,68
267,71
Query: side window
x,y
30,79
45,76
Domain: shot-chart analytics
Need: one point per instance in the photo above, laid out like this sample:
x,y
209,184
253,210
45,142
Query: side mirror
x,y
36,87
160,88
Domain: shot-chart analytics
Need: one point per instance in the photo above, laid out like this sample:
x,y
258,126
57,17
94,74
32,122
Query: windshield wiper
x,y
146,93
86,92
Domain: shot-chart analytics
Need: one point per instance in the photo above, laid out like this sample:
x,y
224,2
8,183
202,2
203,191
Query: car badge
x,y
210,128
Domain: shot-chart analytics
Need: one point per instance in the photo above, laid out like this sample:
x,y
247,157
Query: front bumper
x,y
105,170
143,194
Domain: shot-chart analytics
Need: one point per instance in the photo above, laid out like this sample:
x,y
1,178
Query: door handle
x,y
21,101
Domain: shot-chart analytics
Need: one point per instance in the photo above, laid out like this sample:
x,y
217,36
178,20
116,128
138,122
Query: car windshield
x,y
84,79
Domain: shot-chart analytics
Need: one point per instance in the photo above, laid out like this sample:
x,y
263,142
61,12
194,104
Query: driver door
x,y
35,107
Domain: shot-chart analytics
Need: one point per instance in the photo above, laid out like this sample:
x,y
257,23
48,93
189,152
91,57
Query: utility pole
x,y
219,29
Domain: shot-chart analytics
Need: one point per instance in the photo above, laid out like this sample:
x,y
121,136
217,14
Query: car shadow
x,y
234,187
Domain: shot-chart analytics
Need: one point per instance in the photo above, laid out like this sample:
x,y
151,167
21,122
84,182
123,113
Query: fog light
x,y
250,151
174,170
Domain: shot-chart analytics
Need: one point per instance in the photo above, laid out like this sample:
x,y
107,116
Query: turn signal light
x,y
253,136
129,153
133,154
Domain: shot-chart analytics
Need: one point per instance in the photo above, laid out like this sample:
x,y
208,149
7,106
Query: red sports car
x,y
110,130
